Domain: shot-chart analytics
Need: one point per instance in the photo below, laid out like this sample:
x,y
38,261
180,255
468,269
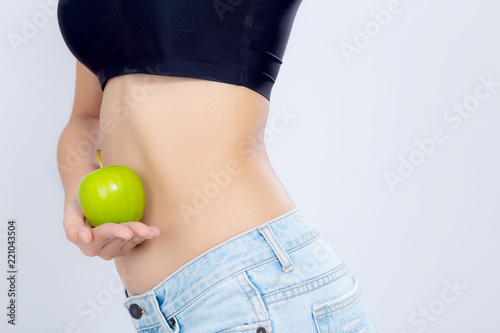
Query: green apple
x,y
111,194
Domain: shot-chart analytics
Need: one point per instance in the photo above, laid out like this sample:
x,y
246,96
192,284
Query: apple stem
x,y
99,157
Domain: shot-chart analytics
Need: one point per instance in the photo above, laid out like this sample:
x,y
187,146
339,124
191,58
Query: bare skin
x,y
183,137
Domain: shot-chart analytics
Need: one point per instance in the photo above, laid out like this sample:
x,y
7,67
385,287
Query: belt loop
x,y
278,249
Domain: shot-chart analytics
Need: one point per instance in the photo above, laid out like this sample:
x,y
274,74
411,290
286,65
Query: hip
x,y
280,276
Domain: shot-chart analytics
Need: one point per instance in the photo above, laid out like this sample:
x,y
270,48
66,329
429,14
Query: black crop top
x,y
240,42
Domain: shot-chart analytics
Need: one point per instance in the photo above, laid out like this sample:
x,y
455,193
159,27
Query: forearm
x,y
76,153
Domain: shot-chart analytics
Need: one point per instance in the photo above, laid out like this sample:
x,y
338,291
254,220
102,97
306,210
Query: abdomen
x,y
196,145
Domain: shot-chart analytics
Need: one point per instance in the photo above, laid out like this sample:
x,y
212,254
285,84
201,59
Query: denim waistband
x,y
268,241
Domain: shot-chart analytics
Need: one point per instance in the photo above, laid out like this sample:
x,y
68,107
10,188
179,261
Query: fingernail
x,y
82,236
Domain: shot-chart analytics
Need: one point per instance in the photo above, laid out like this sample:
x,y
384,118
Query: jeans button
x,y
136,311
261,330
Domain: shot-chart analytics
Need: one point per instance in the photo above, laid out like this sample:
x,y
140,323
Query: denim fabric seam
x,y
350,303
308,291
334,270
267,326
293,249
249,298
258,295
185,306
156,309
149,327
342,299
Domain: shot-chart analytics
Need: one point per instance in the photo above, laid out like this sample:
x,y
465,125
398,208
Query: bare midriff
x,y
198,147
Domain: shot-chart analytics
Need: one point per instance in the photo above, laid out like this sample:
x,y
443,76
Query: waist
x,y
189,184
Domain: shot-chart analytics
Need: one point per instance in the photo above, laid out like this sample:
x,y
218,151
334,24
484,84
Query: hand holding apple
x,y
108,240
111,194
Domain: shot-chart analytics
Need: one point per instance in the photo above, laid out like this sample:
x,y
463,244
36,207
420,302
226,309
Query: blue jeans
x,y
279,277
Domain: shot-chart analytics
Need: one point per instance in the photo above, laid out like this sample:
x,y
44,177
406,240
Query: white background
x,y
355,117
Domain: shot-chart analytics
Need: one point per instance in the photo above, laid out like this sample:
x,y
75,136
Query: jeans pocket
x,y
345,314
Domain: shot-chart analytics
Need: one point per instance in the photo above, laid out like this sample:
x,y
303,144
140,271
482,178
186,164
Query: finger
x,y
136,240
115,248
142,229
106,232
111,249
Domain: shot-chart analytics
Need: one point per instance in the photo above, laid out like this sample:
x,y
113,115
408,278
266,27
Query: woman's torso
x,y
198,147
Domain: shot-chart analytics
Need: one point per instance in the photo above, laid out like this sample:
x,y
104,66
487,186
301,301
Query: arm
x,y
84,118
108,240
